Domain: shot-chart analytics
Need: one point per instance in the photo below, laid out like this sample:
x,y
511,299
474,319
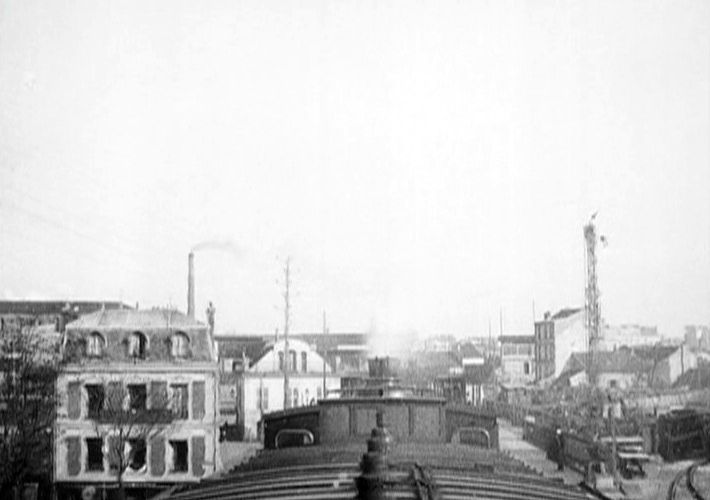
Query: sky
x,y
426,165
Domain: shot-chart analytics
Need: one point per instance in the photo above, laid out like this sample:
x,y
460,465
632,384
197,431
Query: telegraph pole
x,y
287,314
325,331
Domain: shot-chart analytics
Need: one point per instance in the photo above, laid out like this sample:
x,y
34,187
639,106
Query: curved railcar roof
x,y
442,471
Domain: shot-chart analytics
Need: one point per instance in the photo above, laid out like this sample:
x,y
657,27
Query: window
x,y
96,397
304,361
94,455
526,368
179,456
95,345
137,397
137,345
178,404
179,345
306,398
295,398
136,454
292,361
281,361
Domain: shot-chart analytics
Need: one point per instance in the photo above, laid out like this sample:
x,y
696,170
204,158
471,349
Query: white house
x,y
262,391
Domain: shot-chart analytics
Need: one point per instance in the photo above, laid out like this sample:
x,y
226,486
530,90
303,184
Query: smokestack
x,y
191,285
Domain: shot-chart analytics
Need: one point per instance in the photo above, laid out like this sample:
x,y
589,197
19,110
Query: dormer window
x,y
95,345
179,345
137,345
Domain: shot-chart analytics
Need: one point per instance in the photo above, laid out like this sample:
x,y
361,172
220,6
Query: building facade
x,y
556,338
137,388
261,389
617,336
517,358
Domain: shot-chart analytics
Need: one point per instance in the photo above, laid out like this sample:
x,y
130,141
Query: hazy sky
x,y
424,163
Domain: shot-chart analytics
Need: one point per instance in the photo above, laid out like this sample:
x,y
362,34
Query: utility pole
x,y
490,338
591,302
287,314
325,331
501,322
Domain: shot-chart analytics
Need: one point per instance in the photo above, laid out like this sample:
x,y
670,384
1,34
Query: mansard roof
x,y
158,326
133,319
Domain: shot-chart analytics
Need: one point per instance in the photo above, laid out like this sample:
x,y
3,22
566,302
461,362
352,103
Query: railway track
x,y
684,484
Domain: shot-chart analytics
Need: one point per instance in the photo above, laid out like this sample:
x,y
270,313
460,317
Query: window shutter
x,y
114,396
73,456
74,400
157,456
113,452
158,395
198,400
198,455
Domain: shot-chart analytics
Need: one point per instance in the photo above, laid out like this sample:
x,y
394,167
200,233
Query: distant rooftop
x,y
517,339
50,307
619,361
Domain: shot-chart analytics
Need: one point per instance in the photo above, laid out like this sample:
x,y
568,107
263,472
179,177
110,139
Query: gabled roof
x,y
655,352
426,366
695,378
565,313
468,350
619,361
479,374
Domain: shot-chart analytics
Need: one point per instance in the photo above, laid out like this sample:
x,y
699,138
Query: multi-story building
x,y
556,338
517,358
159,364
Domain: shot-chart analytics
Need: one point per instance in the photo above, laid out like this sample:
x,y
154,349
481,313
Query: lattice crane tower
x,y
591,306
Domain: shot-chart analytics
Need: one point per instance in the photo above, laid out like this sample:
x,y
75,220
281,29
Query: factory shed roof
x,y
516,339
48,307
250,346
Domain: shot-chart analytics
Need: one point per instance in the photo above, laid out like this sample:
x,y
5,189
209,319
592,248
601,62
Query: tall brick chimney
x,y
191,285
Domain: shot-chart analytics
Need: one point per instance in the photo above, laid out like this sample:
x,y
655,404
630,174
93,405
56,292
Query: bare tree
x,y
125,420
28,370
